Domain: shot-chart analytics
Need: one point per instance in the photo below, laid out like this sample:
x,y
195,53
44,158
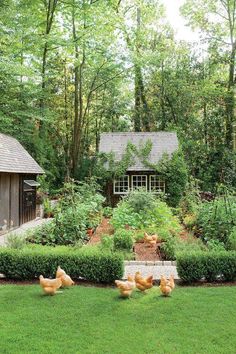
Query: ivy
x,y
173,169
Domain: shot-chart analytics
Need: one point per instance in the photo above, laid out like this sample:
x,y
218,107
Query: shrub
x,y
216,219
168,249
207,265
140,200
16,241
107,242
215,245
124,215
87,263
123,240
107,212
231,245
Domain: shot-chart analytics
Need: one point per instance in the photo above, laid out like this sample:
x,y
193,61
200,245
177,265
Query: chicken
x,y
166,286
150,240
143,283
50,286
126,287
171,282
65,278
60,272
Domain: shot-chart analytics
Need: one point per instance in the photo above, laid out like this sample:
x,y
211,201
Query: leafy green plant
x,y
107,242
16,241
215,245
123,240
231,245
107,212
140,200
216,219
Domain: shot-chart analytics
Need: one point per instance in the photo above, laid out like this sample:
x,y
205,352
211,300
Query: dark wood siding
x,y
113,199
27,200
9,199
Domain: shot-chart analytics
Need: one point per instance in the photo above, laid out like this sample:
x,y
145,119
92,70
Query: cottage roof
x,y
162,142
14,158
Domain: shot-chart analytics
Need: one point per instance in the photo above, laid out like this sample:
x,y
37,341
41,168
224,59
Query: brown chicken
x,y
143,283
65,278
151,240
50,286
126,287
166,285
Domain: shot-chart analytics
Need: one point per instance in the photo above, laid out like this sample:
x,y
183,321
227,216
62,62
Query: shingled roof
x,y
162,142
14,158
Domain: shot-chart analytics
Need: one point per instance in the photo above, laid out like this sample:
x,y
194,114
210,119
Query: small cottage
x,y
18,172
137,175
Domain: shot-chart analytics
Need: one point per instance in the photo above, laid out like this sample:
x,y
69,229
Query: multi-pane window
x,y
139,181
156,184
121,185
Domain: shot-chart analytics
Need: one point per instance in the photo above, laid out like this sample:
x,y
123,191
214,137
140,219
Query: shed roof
x,y
162,142
15,159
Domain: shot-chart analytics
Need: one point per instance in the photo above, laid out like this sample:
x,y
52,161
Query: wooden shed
x,y
18,173
137,175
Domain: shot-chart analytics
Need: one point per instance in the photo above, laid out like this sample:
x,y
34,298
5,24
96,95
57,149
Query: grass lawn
x,y
95,320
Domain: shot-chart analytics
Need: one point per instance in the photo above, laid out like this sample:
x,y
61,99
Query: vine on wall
x,y
172,168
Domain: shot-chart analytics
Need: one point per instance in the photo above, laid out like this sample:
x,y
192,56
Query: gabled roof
x,y
162,142
14,158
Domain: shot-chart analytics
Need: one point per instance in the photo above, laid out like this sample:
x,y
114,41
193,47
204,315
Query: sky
x,y
178,22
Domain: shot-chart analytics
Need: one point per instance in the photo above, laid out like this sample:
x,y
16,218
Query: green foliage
x,y
216,219
124,215
123,240
207,265
215,245
107,212
231,245
140,200
79,208
16,241
107,243
87,263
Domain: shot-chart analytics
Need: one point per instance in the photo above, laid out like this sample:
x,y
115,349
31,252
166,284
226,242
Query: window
x,y
139,181
156,184
121,185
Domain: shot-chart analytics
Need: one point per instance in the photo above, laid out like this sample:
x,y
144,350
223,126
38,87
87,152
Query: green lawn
x,y
95,320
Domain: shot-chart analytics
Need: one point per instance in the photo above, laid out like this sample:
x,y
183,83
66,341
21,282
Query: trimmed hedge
x,y
210,266
91,265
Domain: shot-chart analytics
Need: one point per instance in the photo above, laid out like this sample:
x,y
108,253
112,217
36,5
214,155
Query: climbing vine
x,y
172,169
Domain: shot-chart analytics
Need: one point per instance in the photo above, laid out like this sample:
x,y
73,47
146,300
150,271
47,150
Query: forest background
x,y
70,70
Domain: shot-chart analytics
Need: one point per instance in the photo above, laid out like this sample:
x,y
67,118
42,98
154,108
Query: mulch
x,y
105,228
145,252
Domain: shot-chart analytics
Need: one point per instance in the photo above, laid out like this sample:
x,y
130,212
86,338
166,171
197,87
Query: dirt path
x,y
105,228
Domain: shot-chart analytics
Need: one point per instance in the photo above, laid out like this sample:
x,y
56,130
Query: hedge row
x,y
210,266
30,263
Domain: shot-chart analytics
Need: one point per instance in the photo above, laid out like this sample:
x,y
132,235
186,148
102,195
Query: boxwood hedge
x,y
92,265
210,266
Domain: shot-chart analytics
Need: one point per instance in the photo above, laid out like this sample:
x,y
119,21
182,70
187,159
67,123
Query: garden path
x,y
105,228
156,269
23,228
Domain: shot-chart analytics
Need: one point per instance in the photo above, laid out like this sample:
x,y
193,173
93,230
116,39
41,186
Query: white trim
x,y
132,182
159,180
119,180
